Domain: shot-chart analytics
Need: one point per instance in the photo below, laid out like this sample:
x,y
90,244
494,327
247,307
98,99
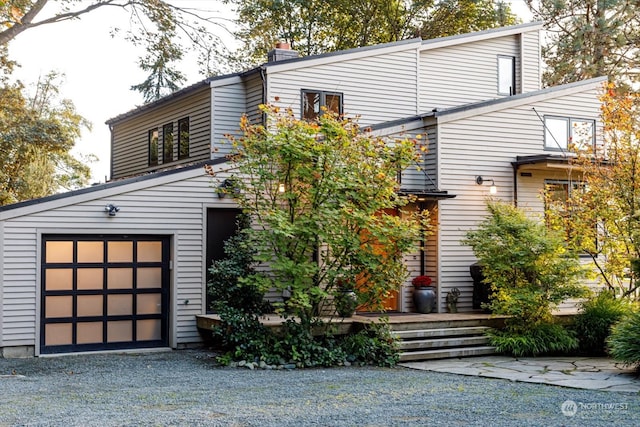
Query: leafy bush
x,y
530,272
228,286
374,345
244,338
543,338
593,323
624,341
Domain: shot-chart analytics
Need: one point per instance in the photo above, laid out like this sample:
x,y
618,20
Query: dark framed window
x,y
153,147
167,143
506,75
562,133
314,102
183,138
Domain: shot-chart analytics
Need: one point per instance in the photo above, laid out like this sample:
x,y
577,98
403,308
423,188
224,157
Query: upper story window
x,y
506,75
314,100
167,143
183,138
153,147
562,133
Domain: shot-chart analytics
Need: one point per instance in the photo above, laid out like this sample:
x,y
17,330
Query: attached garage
x,y
104,293
77,277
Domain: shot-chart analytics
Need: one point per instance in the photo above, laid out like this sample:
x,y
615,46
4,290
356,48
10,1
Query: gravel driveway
x,y
186,388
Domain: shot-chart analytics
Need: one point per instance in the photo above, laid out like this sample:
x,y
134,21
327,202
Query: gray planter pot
x,y
424,299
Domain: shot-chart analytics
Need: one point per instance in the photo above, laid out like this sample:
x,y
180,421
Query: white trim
x,y
172,319
418,75
479,36
522,68
232,80
212,118
2,258
437,228
274,67
392,130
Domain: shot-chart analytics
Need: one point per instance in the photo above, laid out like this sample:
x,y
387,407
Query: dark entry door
x,y
104,293
221,224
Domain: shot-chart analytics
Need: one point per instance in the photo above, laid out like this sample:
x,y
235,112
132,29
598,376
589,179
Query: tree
x,y
319,26
589,38
606,208
323,199
36,136
159,25
452,17
530,272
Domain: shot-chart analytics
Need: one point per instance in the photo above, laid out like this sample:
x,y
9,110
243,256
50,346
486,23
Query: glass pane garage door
x,y
104,293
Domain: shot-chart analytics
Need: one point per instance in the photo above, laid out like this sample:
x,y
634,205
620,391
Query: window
x,y
153,147
560,210
167,143
314,101
506,75
562,133
183,138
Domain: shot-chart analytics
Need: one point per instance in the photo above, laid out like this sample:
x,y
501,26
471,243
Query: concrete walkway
x,y
576,372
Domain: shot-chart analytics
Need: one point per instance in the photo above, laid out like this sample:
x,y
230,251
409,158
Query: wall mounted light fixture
x,y
111,209
228,186
492,189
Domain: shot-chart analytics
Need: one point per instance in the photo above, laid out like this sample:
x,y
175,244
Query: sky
x,y
99,70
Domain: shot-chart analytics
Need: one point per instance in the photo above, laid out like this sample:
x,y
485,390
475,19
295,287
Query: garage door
x,y
104,293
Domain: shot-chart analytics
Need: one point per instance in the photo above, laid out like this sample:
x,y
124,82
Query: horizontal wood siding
x,y
175,208
376,88
532,73
130,143
463,74
228,107
486,145
254,90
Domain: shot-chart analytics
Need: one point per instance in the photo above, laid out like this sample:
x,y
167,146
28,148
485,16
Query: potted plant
x,y
345,298
424,296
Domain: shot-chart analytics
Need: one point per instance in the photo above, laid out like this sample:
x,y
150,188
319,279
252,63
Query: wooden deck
x,y
397,321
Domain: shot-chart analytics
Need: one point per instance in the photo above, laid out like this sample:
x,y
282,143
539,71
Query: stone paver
x,y
576,372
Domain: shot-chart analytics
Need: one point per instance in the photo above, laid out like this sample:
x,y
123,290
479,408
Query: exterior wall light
x,y
492,189
111,209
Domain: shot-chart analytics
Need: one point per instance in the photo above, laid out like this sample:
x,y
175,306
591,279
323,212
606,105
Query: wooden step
x,y
497,323
441,332
446,353
448,342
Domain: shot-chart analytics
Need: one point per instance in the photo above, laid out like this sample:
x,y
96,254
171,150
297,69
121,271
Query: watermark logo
x,y
569,408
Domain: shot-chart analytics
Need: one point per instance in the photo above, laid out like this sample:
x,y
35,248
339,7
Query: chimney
x,y
282,52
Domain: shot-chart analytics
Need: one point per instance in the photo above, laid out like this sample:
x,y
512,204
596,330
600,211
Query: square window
x,y
315,102
565,133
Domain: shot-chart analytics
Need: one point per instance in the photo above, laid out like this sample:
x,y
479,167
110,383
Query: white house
x,y
123,265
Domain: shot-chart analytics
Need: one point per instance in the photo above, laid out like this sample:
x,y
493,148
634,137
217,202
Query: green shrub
x,y
543,338
593,323
624,341
227,284
374,345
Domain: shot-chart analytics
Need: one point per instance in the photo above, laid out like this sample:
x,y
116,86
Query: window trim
x,y
569,131
150,137
181,141
323,101
513,75
166,154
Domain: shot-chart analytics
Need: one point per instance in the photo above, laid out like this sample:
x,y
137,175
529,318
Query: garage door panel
x,y
104,292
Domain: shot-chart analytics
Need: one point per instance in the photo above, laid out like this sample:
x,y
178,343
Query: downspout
x,y
263,77
514,165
